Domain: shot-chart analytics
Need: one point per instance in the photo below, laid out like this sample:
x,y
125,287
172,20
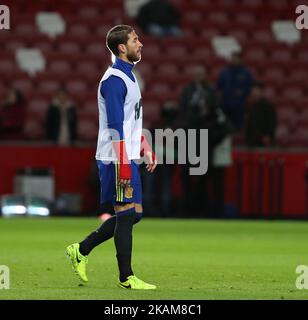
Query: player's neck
x,y
124,58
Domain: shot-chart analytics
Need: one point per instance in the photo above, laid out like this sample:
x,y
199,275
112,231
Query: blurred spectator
x,y
215,176
61,119
261,119
159,18
158,188
12,116
131,7
139,78
200,110
197,98
234,85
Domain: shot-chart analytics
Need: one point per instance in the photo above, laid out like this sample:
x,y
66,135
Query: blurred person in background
x,y
220,142
132,7
261,119
158,187
234,85
159,18
140,79
61,119
12,115
200,110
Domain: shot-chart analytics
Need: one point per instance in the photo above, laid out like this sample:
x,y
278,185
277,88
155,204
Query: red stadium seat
x,y
167,69
218,17
275,73
281,54
24,84
159,88
61,66
202,51
298,75
25,27
151,51
245,18
282,135
7,65
86,67
90,107
69,47
302,57
89,12
96,48
286,116
303,119
38,105
277,4
48,86
302,104
298,138
252,3
293,93
144,68
102,29
208,33
76,86
254,53
78,29
13,45
240,34
191,17
263,36
175,51
151,110
87,129
34,128
45,45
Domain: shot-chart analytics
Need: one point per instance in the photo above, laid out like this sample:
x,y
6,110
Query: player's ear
x,y
122,48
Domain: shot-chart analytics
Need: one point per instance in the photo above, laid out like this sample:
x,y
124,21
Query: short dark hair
x,y
117,35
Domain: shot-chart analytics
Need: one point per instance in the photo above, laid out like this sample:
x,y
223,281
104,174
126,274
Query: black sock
x,y
103,233
123,240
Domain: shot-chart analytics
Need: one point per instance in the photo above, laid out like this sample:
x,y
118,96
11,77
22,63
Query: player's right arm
x,y
114,92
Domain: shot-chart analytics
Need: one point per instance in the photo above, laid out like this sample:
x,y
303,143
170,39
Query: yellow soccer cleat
x,y
134,283
78,261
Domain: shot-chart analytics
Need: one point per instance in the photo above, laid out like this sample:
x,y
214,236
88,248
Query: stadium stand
x,y
75,54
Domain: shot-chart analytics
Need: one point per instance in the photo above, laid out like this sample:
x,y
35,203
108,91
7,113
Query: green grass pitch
x,y
186,259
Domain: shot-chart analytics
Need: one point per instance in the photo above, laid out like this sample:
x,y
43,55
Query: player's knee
x,y
138,217
139,211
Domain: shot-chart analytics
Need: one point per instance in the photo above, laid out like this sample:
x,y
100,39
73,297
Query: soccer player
x,y
120,141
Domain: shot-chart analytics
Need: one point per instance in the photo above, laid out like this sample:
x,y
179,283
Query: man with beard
x,y
120,143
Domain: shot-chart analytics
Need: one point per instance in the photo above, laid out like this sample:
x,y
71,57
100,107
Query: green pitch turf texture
x,y
186,259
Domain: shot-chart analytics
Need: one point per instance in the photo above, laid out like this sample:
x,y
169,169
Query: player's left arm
x,y
147,151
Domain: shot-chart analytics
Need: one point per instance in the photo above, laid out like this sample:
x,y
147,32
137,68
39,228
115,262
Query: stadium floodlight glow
x,y
19,205
8,210
38,211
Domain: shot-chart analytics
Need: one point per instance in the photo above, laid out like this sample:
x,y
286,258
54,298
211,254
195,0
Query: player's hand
x,y
149,154
124,177
124,183
152,162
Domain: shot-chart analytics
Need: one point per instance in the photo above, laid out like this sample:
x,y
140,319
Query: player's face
x,y
133,48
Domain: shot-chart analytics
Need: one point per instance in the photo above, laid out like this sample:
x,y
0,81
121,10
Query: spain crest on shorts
x,y
129,192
